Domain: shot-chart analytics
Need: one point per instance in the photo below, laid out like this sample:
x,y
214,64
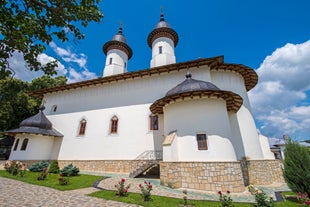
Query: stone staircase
x,y
145,162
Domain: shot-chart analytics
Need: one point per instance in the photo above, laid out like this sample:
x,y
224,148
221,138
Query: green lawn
x,y
76,182
84,181
159,201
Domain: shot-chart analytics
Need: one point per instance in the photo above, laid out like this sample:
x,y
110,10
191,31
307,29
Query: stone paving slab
x,y
109,184
16,193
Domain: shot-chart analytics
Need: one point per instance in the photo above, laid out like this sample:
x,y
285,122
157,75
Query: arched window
x,y
114,125
24,145
82,127
153,122
54,108
16,145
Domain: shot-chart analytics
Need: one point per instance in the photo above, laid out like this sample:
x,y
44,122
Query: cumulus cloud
x,y
68,56
280,101
75,76
17,63
70,61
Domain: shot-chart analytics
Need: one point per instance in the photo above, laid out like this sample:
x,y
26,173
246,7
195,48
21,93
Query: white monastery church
x,y
191,120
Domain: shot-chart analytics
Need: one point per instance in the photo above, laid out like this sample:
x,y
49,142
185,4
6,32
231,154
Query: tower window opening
x,y
125,65
110,61
160,49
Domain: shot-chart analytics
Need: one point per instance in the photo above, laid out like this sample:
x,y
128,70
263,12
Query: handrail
x,y
150,155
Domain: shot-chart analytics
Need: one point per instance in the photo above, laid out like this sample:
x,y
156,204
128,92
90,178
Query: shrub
x,y
146,191
62,180
297,167
122,190
225,199
42,175
70,170
38,167
262,200
185,200
54,168
303,199
15,167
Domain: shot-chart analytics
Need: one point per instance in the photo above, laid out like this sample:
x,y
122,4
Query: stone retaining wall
x,y
207,176
106,166
262,172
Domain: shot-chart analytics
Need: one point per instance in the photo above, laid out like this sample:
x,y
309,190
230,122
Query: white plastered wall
x,y
167,56
266,147
244,124
189,117
39,147
118,65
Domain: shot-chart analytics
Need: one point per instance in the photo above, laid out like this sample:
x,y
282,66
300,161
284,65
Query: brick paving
x,y
15,193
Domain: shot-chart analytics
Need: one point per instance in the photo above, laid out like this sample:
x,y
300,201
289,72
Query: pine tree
x,y
297,167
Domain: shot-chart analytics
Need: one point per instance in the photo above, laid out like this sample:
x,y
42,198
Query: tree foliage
x,y
297,167
27,26
16,104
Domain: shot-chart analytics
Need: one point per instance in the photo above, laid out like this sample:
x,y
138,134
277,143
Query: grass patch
x,y
51,181
158,201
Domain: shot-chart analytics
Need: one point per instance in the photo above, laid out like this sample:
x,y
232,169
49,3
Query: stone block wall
x,y
105,166
262,172
206,176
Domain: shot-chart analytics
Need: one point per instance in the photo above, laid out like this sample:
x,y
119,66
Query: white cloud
x,y
17,63
280,102
66,68
68,56
75,76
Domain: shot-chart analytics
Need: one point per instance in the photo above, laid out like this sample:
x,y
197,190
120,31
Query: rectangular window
x,y
125,65
160,49
153,122
202,141
110,61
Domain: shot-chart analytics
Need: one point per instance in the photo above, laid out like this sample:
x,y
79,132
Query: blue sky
x,y
270,36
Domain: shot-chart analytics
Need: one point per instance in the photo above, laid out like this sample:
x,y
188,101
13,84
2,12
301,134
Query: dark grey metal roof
x,y
196,88
162,29
190,85
162,22
37,124
118,41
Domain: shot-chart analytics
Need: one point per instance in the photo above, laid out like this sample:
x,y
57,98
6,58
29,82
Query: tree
x,y
16,104
27,26
297,167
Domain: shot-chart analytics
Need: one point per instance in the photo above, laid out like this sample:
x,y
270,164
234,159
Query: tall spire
x,y
120,29
163,39
162,14
118,53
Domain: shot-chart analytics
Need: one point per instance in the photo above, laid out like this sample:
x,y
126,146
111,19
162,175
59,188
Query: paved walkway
x,y
15,193
109,183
